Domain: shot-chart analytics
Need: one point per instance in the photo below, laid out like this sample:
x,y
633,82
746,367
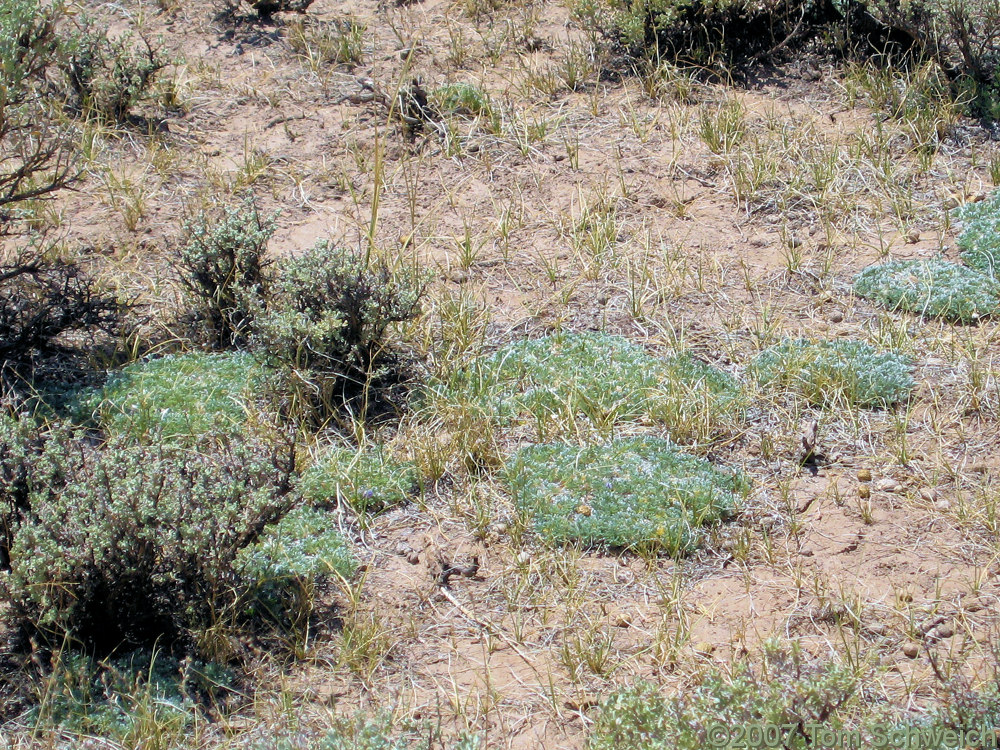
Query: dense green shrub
x,y
267,8
640,493
108,76
19,443
223,265
368,481
961,36
836,373
326,320
321,318
935,288
707,33
980,238
263,9
329,310
785,692
604,378
119,546
180,396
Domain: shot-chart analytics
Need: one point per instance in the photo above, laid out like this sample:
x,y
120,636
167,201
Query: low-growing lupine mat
x,y
980,237
179,396
836,372
605,378
369,480
935,288
640,493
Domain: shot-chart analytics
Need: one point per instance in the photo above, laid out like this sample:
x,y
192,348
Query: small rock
x,y
944,630
836,317
864,475
584,510
926,626
927,494
864,492
877,628
523,557
910,650
888,485
704,648
912,237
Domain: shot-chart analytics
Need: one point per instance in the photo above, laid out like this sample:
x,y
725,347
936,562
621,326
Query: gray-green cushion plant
x,y
934,288
606,379
368,481
178,397
305,544
639,493
836,373
282,568
980,238
370,732
121,699
784,695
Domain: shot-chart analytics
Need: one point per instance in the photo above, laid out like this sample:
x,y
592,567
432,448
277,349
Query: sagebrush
x,y
120,546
